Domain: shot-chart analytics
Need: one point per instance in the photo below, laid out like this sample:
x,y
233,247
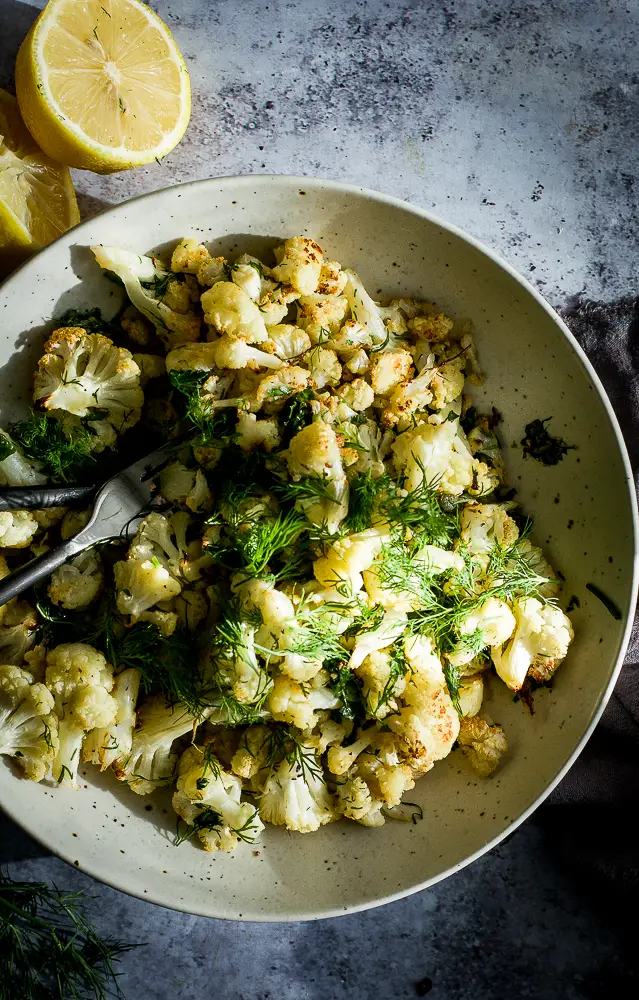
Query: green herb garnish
x,y
48,948
541,445
66,456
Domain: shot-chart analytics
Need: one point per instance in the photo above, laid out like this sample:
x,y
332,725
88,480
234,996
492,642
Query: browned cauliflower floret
x,y
388,369
189,256
357,394
230,310
482,745
543,668
323,366
321,315
81,372
332,279
289,340
299,263
433,327
287,380
253,433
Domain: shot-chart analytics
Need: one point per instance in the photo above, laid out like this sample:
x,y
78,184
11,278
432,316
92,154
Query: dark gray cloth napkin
x,y
590,818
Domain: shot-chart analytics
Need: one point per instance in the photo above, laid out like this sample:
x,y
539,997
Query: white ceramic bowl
x,y
585,518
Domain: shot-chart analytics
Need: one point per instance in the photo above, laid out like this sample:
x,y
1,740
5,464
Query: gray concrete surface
x,y
519,123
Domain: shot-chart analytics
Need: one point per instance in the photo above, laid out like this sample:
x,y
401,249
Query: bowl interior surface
x,y
584,518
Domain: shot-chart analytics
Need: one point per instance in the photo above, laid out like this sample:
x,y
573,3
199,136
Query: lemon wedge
x,y
37,200
102,84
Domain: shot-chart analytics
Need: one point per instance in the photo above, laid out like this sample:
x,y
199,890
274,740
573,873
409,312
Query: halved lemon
x,y
37,200
102,84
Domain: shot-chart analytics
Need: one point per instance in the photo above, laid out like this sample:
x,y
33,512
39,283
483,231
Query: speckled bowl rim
x,y
250,180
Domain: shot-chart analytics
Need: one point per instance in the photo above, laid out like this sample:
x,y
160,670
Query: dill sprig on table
x,y
48,948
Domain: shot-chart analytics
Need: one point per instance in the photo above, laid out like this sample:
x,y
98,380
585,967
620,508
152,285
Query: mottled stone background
x,y
517,122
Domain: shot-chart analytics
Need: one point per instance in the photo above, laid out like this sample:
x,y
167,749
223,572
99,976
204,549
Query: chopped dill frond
x,y
365,495
251,545
210,424
283,745
66,456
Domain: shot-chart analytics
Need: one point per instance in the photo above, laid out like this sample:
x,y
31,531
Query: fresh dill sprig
x,y
451,675
346,687
92,321
314,636
399,667
252,545
508,576
210,765
210,424
64,456
310,488
365,495
206,819
168,665
48,948
283,745
209,819
425,510
296,414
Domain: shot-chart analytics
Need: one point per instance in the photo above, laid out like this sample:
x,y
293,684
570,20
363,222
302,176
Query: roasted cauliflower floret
x,y
355,801
253,433
433,326
299,264
77,582
229,310
348,558
297,799
314,451
189,255
158,564
332,278
17,528
80,681
298,704
151,366
321,315
252,752
482,745
357,394
290,342
288,379
381,683
364,310
28,725
542,629
179,484
15,469
436,453
146,282
84,372
208,800
389,369
104,746
323,366
142,583
234,353
152,760
18,628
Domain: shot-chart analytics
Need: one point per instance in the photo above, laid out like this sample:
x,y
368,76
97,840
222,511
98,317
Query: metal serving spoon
x,y
117,511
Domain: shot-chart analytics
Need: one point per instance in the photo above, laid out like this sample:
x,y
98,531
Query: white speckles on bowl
x,y
584,511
